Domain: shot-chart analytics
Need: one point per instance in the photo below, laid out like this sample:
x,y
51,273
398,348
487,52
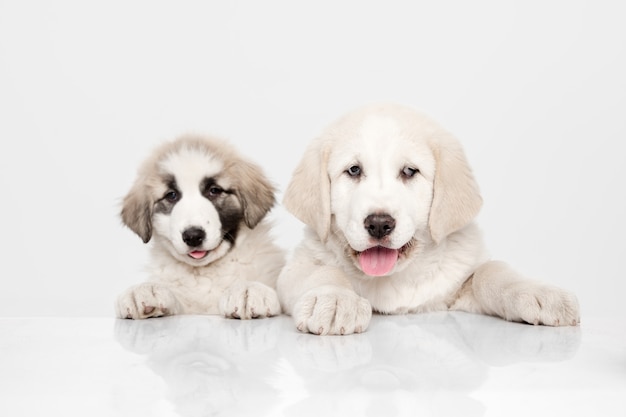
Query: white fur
x,y
233,279
445,265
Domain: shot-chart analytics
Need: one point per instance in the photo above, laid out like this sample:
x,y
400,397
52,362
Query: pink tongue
x,y
378,261
197,254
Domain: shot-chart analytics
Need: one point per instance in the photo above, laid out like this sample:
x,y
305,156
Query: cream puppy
x,y
389,200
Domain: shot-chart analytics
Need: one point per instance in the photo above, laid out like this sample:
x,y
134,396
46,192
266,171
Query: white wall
x,y
535,90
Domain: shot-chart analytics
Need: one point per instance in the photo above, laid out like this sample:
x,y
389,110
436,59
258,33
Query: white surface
x,y
440,364
534,90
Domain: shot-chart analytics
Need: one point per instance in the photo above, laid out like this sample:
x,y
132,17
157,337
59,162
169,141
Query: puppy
x,y
203,206
389,201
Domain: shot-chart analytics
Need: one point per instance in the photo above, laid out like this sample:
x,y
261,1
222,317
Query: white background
x,y
534,90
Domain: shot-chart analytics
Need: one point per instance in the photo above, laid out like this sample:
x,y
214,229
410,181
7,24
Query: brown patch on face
x,y
227,204
171,196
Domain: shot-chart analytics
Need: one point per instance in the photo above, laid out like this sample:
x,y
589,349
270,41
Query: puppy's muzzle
x,y
379,225
194,236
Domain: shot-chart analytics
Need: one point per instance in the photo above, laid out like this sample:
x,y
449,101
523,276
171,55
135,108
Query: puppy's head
x,y
193,195
379,181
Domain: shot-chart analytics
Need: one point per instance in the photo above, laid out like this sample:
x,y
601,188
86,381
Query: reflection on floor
x,y
440,364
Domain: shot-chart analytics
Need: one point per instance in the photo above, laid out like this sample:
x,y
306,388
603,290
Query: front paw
x,y
332,310
542,304
249,300
146,300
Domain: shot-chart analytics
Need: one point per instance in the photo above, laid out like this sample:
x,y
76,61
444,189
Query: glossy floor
x,y
441,364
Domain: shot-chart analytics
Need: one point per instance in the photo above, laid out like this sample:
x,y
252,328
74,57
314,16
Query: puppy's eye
x,y
214,191
354,171
408,172
172,196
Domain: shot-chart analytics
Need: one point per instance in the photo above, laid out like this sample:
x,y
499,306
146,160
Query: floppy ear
x,y
456,198
137,211
255,192
308,193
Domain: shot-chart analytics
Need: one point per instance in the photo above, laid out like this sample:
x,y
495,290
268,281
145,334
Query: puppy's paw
x,y
146,300
331,310
542,304
249,300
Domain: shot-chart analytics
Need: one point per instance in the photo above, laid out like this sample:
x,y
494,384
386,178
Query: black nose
x,y
379,225
193,236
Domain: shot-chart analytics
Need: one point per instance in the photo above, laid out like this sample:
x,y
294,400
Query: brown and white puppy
x,y
202,205
389,200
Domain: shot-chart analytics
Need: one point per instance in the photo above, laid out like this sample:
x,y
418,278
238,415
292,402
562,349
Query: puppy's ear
x,y
254,190
456,197
137,211
308,193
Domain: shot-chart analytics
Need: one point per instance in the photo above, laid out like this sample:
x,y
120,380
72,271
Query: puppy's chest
x,y
408,292
202,280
